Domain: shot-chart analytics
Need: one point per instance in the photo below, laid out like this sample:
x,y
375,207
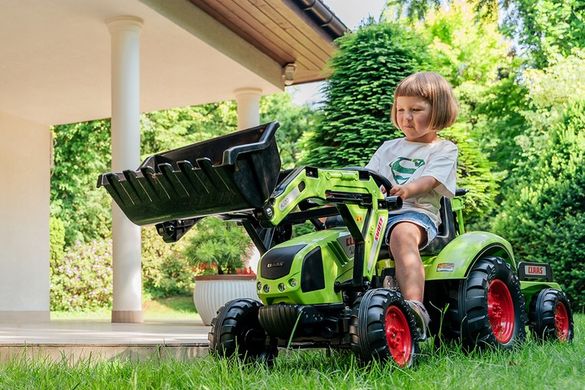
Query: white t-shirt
x,y
402,162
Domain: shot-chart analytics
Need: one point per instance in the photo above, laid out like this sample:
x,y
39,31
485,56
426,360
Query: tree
x,y
81,153
173,128
547,27
356,118
412,9
543,27
294,122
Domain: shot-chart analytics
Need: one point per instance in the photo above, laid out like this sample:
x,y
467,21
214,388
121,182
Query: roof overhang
x,y
295,32
55,56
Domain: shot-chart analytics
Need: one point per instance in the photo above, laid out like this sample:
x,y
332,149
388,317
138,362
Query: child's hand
x,y
401,191
383,189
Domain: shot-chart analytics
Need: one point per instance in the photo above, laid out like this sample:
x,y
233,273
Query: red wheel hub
x,y
500,311
398,335
561,321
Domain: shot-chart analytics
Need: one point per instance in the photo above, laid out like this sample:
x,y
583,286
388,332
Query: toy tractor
x,y
333,287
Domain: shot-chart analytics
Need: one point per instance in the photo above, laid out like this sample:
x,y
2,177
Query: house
x,y
66,61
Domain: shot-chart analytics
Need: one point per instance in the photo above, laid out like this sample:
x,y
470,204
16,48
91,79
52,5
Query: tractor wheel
x,y
383,327
236,331
551,317
487,308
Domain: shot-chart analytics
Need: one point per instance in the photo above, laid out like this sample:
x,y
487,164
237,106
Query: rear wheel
x,y
236,331
383,327
551,317
487,308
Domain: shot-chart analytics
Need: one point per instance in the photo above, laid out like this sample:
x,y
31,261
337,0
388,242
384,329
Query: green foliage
x,y
82,278
173,128
294,121
463,49
81,153
217,245
412,9
548,107
473,174
499,120
356,121
561,82
56,240
548,27
544,216
166,271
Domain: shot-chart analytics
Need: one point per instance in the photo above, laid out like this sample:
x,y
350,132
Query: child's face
x,y
413,115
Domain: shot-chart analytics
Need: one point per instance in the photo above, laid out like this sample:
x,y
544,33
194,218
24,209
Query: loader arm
x,y
355,192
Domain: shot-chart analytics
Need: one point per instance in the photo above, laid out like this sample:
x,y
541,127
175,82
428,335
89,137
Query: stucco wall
x,y
24,219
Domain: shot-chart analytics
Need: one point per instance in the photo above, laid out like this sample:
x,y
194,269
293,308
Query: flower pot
x,y
213,291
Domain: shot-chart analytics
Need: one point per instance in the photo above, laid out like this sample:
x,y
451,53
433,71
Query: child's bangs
x,y
414,86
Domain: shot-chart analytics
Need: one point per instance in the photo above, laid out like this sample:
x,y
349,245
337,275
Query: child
x,y
421,168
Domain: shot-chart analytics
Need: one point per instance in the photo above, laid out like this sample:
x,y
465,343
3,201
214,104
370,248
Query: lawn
x,y
533,366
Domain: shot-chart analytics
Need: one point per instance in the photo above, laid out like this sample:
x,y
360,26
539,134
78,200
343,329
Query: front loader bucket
x,y
234,172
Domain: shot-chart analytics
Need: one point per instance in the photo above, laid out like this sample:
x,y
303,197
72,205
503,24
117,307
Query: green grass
x,y
172,308
533,366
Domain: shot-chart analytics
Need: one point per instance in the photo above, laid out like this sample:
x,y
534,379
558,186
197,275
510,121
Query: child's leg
x,y
410,274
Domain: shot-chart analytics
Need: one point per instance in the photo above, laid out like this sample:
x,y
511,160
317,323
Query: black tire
x,y
551,317
377,313
236,331
487,309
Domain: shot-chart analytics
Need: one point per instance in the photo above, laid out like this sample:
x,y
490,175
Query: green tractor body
x,y
336,286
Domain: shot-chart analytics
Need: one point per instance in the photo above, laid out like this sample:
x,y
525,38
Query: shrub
x,y
166,270
473,174
215,245
82,152
56,240
82,278
294,121
544,217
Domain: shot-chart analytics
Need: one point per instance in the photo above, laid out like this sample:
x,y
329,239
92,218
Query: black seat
x,y
445,233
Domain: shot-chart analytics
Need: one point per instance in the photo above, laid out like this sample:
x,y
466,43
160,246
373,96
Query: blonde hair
x,y
436,90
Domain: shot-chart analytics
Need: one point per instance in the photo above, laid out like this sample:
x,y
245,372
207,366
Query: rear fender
x,y
457,258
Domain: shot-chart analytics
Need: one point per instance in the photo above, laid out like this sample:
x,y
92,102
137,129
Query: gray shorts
x,y
417,218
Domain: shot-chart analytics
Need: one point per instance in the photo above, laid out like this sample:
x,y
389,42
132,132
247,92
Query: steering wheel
x,y
378,179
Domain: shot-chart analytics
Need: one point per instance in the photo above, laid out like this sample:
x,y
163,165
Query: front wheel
x,y
236,331
551,317
383,327
488,308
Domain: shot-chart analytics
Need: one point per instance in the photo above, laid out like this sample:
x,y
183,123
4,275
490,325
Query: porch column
x,y
248,100
127,273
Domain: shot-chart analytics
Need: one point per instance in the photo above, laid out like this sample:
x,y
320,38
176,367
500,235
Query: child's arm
x,y
416,187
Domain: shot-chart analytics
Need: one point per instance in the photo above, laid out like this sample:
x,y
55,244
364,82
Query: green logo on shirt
x,y
403,168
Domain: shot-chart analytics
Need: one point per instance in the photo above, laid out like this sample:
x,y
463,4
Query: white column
x,y
127,273
248,100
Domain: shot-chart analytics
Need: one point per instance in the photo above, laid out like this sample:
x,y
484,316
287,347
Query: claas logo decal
x,y
536,270
379,229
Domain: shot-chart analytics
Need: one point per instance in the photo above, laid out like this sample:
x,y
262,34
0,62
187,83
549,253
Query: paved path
x,y
81,339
